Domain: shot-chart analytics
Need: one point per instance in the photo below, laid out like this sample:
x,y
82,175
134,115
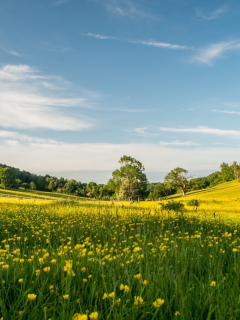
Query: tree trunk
x,y
183,192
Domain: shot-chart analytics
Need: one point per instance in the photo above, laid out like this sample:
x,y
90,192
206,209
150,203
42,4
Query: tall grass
x,y
71,256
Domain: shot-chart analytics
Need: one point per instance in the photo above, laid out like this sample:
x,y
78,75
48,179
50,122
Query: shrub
x,y
173,206
193,203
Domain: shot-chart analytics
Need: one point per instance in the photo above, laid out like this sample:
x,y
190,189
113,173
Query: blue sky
x,y
83,82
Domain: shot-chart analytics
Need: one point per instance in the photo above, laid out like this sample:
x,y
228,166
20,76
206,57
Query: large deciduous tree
x,y
129,181
178,179
236,170
7,178
226,172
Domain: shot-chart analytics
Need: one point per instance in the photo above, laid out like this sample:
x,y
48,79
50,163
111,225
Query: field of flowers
x,y
84,260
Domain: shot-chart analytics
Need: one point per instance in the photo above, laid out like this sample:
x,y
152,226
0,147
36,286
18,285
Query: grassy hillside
x,y
21,194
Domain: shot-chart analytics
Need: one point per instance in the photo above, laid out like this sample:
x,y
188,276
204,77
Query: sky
x,y
84,82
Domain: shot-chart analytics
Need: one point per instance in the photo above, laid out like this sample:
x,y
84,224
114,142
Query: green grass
x,y
179,256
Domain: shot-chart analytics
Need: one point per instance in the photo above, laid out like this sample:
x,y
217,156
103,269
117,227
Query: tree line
x,y
129,182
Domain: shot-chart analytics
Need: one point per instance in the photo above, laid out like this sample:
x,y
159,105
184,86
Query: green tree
x,y
25,185
7,178
177,179
128,190
236,170
226,172
132,171
32,185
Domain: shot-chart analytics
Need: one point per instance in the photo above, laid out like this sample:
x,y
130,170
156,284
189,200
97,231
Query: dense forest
x,y
128,182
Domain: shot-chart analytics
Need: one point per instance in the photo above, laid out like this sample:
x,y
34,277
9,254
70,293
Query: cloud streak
x,y
178,143
143,132
164,45
13,138
226,111
58,2
29,100
11,52
99,36
215,50
127,8
212,15
205,130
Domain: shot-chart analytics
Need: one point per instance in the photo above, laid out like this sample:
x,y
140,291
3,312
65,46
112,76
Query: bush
x,y
193,203
173,206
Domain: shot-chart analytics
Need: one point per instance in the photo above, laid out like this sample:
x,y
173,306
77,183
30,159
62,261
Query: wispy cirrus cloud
x,y
58,2
11,52
128,8
98,36
153,43
157,44
143,132
205,130
30,99
226,111
13,138
178,143
208,54
215,14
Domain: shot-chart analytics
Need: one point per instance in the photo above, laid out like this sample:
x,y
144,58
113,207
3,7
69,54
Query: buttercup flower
x,y
31,296
158,303
93,315
79,316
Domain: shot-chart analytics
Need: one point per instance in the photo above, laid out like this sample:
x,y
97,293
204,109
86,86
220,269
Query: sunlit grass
x,y
116,260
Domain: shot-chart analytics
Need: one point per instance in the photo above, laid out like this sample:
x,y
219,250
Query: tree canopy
x,y
131,170
177,179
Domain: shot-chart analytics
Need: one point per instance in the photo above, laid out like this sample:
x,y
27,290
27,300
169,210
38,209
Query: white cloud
x,y
60,2
29,99
153,43
143,132
104,157
178,143
13,138
205,130
226,111
128,8
212,15
11,52
164,45
215,50
98,36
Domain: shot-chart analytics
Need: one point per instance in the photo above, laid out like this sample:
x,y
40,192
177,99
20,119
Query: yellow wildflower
x,y
79,316
66,297
47,269
213,284
144,282
6,266
138,301
105,296
53,261
93,315
121,286
31,296
138,276
112,295
158,303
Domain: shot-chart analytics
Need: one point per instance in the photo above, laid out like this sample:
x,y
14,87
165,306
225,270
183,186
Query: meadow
x,y
70,259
